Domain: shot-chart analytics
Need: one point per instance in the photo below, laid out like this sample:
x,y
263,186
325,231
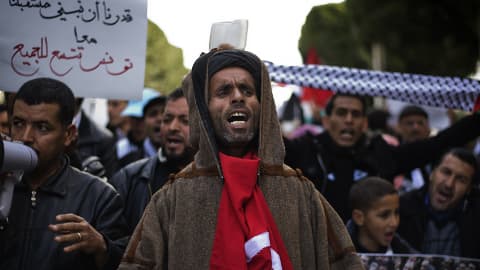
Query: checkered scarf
x,y
445,92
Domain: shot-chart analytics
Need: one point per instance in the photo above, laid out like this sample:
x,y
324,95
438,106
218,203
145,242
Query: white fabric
x,y
255,244
276,263
417,178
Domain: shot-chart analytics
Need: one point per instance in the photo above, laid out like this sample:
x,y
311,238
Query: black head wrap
x,y
209,64
236,58
217,60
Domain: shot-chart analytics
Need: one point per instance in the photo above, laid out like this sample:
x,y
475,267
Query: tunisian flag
x,y
246,236
319,96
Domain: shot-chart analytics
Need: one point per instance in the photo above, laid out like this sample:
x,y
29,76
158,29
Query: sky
x,y
274,26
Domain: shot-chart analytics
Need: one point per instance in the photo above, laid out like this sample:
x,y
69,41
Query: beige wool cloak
x,y
178,225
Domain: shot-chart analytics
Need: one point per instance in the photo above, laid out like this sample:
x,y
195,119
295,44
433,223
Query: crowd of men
x,y
204,178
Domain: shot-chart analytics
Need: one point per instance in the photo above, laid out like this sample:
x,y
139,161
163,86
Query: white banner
x,y
95,47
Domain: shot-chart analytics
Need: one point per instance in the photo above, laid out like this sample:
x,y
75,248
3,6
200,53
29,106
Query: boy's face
x,y
377,226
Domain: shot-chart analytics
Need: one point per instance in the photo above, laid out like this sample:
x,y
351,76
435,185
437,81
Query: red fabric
x,y
243,214
319,96
476,107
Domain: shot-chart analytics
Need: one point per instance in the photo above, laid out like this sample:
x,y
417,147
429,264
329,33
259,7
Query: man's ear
x,y
358,217
365,124
70,135
326,122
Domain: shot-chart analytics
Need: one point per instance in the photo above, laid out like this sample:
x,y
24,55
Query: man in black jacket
x,y
444,216
61,218
343,154
137,181
94,140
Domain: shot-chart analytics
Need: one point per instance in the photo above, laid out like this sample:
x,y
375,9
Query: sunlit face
x,y
377,226
450,182
114,109
153,122
175,129
347,122
234,109
413,128
39,127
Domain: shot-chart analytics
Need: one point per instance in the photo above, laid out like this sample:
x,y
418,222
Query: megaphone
x,y
17,158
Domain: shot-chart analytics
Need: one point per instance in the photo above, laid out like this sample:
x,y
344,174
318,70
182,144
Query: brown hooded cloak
x,y
178,226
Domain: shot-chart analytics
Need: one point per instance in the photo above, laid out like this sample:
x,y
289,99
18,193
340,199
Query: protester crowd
x,y
206,178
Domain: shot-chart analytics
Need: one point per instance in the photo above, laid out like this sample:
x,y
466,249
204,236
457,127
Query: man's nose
x,y
27,135
349,117
237,95
174,125
450,181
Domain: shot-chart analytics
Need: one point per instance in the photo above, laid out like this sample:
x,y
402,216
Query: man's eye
x,y
17,123
247,90
341,112
43,127
357,114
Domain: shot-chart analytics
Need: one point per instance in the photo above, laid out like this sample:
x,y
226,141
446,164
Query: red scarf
x,y
246,236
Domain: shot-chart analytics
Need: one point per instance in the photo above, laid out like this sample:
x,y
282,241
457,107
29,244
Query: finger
x,y
69,217
75,246
67,227
71,237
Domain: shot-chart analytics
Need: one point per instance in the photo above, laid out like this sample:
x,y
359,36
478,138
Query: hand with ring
x,y
79,237
77,234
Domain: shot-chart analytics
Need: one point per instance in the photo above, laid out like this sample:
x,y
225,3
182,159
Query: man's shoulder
x,y
77,179
140,165
139,169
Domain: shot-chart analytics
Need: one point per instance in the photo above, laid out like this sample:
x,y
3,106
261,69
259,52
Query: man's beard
x,y
181,159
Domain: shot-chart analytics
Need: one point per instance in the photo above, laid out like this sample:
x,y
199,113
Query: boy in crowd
x,y
375,217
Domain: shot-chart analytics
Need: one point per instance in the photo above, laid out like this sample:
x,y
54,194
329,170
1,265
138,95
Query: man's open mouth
x,y
237,118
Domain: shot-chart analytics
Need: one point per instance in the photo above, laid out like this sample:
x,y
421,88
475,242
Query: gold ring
x,y
79,236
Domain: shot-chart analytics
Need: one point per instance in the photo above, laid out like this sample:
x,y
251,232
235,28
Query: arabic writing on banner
x,y
96,47
417,262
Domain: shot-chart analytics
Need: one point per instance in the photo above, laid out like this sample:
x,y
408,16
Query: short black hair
x,y
412,110
176,94
331,101
366,192
465,155
50,91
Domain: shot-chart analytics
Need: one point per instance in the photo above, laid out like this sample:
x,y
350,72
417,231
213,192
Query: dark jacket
x,y
27,243
94,140
334,169
137,182
398,244
414,218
